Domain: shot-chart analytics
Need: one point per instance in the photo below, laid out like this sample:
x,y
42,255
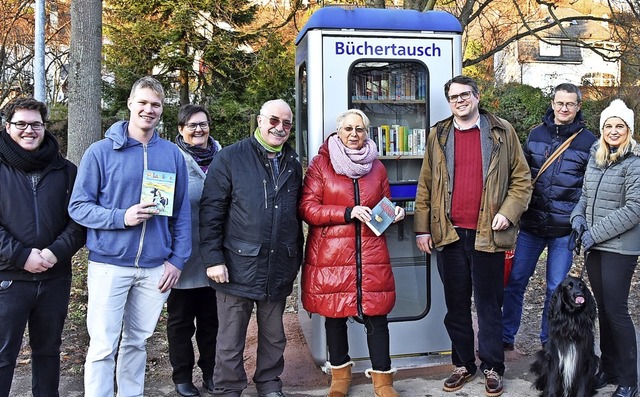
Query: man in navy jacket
x,y
555,194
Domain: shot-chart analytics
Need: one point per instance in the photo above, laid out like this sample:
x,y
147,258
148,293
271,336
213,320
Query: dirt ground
x,y
75,339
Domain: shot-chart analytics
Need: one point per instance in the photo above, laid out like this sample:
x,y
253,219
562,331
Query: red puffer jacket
x,y
347,271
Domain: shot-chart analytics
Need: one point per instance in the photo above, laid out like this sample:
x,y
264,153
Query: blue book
x,y
382,215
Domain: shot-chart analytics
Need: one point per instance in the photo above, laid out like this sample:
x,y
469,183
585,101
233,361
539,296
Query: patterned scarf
x,y
28,160
202,155
353,163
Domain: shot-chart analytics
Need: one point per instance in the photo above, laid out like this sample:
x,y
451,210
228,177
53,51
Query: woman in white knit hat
x,y
608,214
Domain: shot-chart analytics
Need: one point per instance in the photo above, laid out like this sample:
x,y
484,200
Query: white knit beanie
x,y
617,108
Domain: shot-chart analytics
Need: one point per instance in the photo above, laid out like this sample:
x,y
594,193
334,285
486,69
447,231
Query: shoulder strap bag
x,y
555,155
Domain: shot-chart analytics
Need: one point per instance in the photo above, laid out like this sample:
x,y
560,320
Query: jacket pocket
x,y
242,260
505,238
291,264
436,225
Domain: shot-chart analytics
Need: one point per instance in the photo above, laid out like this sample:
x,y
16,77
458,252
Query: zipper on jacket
x,y
266,196
34,189
144,223
358,226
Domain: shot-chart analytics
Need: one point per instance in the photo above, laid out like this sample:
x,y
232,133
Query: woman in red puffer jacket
x,y
347,271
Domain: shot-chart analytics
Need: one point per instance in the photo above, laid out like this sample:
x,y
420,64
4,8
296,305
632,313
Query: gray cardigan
x,y
194,274
610,203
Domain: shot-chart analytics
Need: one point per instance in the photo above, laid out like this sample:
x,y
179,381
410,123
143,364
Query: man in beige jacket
x,y
474,185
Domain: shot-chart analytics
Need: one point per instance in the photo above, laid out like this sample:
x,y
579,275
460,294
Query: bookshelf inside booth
x,y
394,95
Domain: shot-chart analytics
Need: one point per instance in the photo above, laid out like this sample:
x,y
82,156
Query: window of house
x,y
550,50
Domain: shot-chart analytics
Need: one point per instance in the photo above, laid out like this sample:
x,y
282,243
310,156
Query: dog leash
x,y
577,247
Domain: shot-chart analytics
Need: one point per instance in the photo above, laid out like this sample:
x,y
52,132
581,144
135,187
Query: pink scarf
x,y
353,163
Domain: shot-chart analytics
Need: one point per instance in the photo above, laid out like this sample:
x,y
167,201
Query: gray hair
x,y
342,116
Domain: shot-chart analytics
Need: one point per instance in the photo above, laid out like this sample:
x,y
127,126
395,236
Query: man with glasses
x,y
251,242
556,192
37,242
135,254
473,186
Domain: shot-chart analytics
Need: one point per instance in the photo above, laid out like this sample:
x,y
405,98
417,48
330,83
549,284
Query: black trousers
x,y
466,272
192,311
377,340
42,305
610,277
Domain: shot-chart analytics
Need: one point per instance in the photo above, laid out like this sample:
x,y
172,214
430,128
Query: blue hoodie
x,y
109,181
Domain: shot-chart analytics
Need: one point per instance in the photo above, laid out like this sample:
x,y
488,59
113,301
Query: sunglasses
x,y
275,121
359,130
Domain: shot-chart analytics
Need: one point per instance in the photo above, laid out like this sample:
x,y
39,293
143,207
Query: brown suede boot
x,y
340,380
382,382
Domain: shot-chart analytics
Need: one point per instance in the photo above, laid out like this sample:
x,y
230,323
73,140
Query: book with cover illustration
x,y
382,215
158,188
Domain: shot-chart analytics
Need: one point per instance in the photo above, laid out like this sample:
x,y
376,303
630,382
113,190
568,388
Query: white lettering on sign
x,y
366,49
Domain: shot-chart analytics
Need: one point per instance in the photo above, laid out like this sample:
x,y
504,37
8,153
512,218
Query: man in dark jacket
x,y
37,241
251,241
556,192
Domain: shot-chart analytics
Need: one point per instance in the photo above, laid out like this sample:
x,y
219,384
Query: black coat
x,y
33,214
559,187
250,223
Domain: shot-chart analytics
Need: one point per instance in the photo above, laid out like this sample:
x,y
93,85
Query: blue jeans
x,y
528,249
43,306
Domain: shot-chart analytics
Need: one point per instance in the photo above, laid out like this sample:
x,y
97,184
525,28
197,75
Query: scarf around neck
x,y
202,155
353,163
28,160
272,149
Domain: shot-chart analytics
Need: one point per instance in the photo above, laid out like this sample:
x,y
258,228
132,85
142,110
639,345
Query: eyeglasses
x,y
359,130
274,121
569,105
193,126
22,125
461,96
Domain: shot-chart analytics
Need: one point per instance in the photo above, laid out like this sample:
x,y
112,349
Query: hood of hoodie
x,y
563,129
118,134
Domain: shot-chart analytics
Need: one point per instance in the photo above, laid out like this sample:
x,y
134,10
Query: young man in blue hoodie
x,y
135,254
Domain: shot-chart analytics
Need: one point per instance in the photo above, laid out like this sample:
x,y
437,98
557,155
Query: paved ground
x,y
302,377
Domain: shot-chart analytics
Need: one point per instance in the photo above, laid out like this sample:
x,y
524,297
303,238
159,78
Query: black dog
x,y
567,365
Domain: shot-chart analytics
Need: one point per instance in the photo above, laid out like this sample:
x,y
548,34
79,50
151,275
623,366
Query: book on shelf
x,y
158,187
382,215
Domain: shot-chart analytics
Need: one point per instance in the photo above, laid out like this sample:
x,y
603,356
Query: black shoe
x,y
508,347
187,389
626,391
207,384
602,379
273,394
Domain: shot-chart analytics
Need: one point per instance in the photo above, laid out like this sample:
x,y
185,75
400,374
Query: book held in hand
x,y
158,188
382,215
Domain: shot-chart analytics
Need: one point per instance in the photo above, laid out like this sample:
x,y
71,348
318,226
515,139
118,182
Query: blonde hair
x,y
604,156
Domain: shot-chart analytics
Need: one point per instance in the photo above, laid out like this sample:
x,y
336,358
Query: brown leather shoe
x,y
457,379
492,383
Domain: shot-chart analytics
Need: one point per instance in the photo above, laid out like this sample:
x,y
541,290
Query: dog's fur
x,y
567,365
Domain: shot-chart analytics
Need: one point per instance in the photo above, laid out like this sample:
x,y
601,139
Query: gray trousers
x,y
234,313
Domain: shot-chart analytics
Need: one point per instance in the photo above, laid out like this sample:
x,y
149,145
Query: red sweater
x,y
467,182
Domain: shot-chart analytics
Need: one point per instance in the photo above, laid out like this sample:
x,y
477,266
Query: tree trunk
x,y
85,94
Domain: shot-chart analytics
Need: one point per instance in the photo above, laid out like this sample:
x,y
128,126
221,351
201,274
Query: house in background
x,y
562,54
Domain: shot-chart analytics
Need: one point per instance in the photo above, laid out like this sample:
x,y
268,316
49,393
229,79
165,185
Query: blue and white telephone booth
x,y
391,64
